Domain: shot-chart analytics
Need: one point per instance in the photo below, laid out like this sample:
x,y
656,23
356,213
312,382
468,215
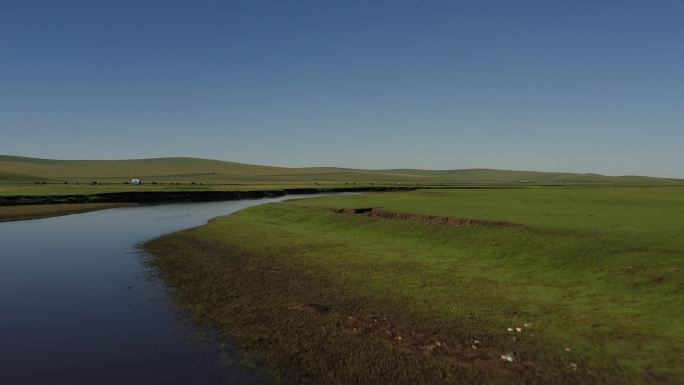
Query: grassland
x,y
592,277
590,273
32,176
18,213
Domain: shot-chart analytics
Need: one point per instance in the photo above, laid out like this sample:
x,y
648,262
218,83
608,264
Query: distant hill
x,y
15,169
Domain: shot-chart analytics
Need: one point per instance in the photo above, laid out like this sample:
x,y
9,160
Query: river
x,y
79,306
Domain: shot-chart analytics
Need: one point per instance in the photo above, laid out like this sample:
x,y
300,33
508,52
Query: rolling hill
x,y
15,169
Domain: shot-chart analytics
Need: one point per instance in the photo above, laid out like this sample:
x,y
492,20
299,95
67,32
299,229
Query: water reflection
x,y
78,306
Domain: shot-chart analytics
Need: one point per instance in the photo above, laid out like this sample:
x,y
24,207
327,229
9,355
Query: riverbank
x,y
26,212
579,286
25,207
180,196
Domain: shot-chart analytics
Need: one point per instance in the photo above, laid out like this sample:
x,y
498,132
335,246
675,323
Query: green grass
x,y
19,213
597,272
19,175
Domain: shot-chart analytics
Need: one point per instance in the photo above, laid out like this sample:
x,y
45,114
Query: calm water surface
x,y
78,306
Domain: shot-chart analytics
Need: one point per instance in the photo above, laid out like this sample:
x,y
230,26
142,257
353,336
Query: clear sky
x,y
586,86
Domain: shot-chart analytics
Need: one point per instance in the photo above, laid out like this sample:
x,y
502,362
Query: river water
x,y
78,305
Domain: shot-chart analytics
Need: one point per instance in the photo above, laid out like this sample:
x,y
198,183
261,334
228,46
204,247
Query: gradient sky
x,y
585,86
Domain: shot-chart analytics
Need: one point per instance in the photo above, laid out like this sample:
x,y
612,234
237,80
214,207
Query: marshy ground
x,y
584,286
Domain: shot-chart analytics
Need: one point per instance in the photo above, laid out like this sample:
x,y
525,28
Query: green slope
x,y
23,169
12,177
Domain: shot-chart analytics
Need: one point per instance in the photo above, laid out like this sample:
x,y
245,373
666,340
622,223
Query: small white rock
x,y
508,357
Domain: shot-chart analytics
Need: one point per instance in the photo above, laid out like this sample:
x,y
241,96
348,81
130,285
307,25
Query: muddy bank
x,y
179,196
380,213
26,212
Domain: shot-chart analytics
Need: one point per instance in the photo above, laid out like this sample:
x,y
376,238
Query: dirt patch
x,y
472,354
380,213
355,211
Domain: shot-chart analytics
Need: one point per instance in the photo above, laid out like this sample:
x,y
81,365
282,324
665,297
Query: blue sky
x,y
585,86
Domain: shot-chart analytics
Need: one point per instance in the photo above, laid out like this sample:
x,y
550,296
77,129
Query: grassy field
x,y
32,176
586,287
18,213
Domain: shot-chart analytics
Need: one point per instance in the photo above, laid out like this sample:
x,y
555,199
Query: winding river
x,y
78,305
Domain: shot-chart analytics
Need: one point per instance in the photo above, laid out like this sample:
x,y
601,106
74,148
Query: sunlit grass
x,y
592,277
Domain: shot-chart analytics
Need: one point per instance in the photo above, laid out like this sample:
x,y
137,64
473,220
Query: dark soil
x,y
380,213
